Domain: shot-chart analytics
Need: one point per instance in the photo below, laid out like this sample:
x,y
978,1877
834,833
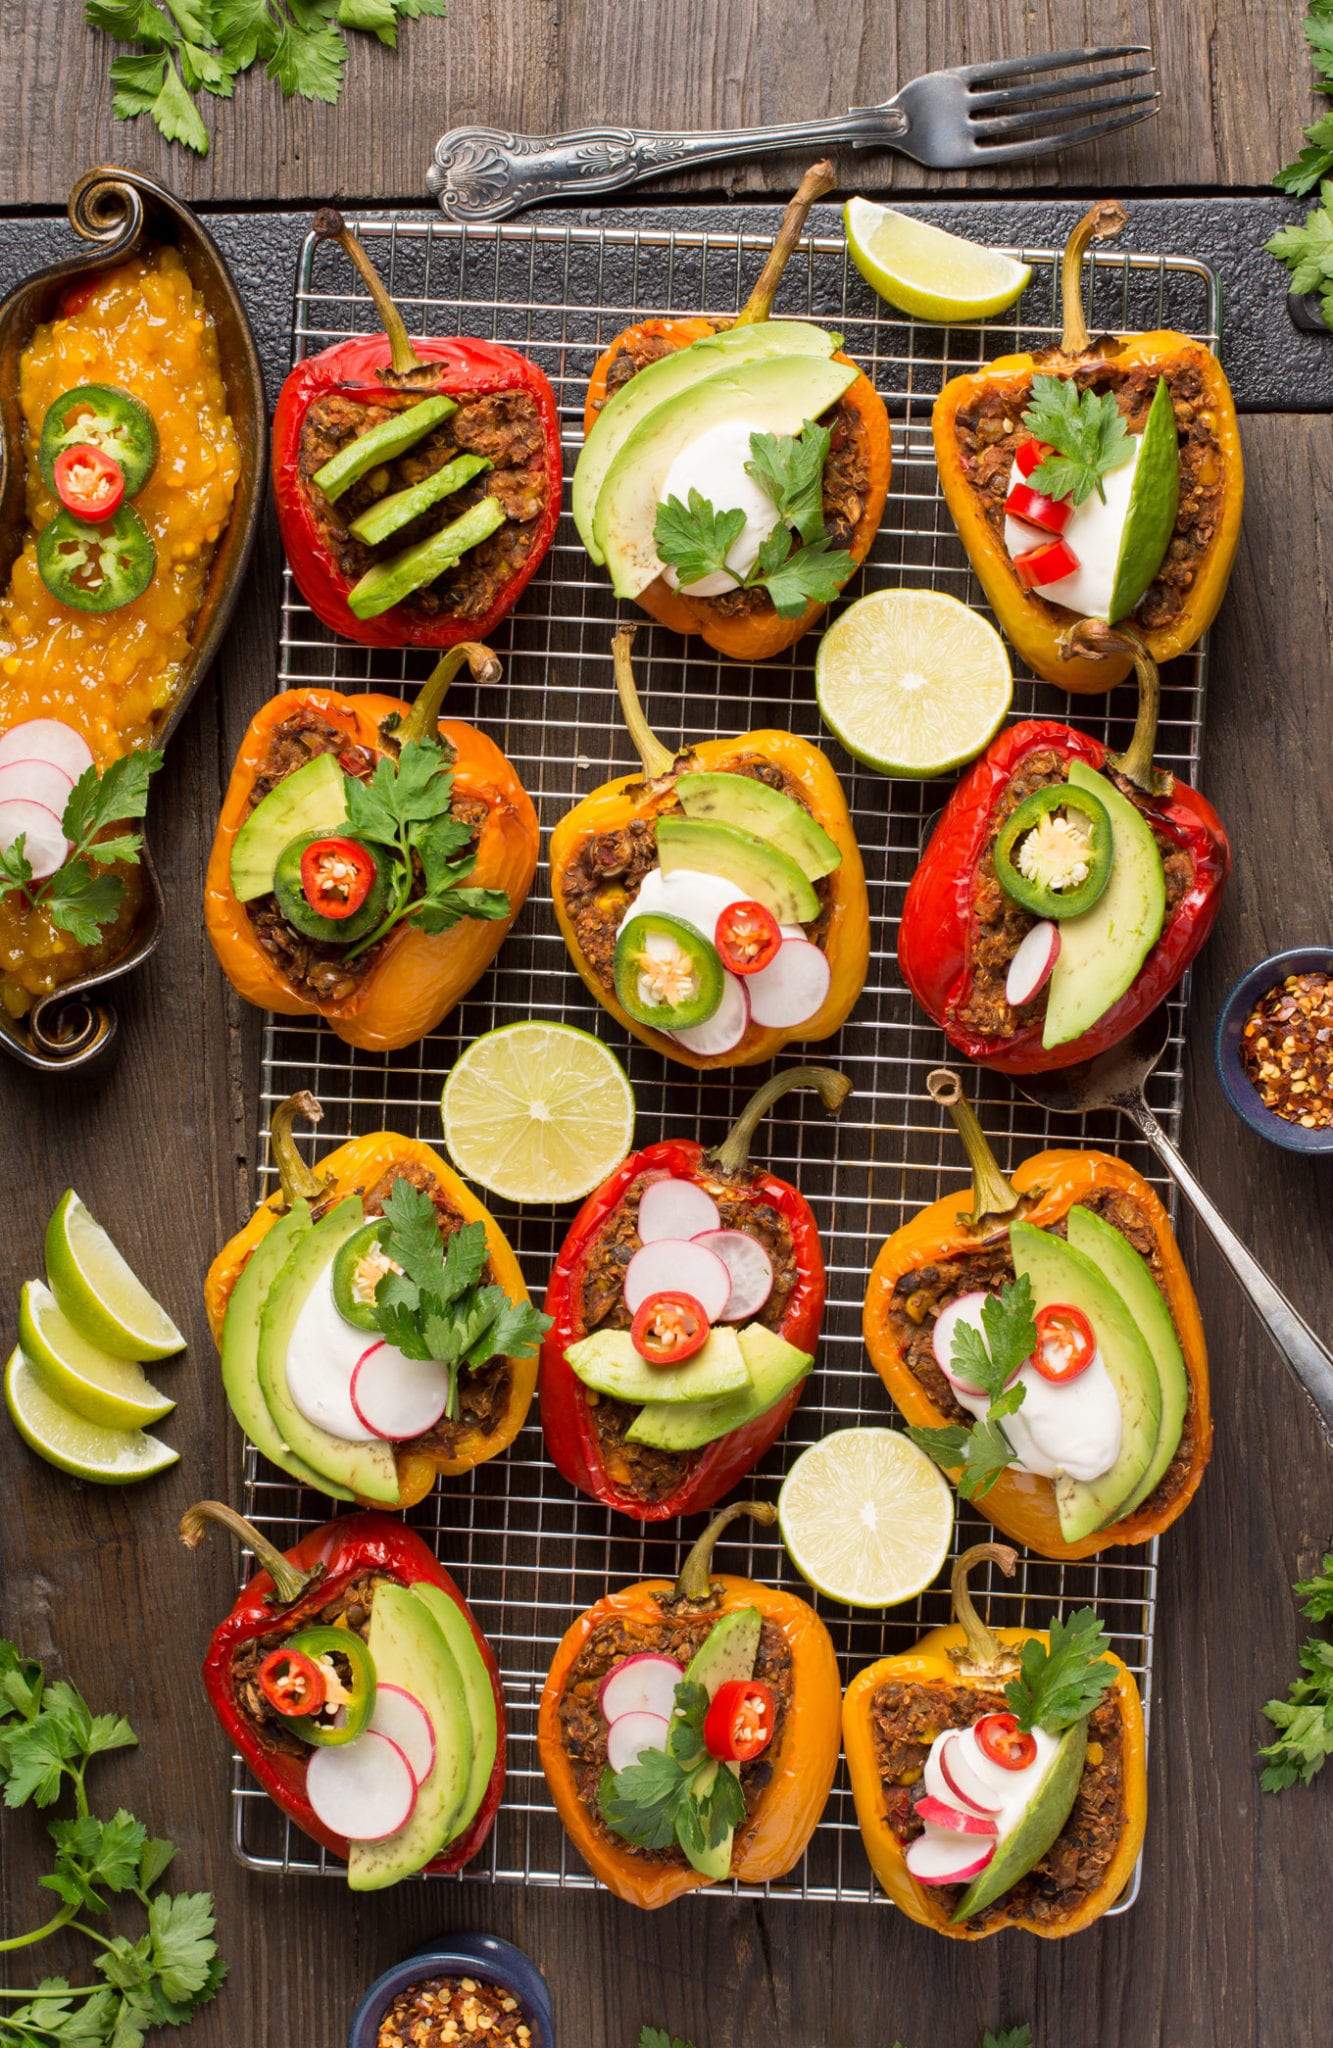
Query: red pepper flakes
x,y
442,2012
1287,1050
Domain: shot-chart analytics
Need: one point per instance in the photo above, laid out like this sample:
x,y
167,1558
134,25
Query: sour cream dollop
x,y
1074,1429
1094,533
714,465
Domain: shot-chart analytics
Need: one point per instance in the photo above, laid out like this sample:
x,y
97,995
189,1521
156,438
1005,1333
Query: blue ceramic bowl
x,y
1240,1091
460,1955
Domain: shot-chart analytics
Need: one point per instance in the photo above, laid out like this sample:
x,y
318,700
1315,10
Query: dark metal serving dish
x,y
114,211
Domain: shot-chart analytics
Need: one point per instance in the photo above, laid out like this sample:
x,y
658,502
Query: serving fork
x,y
971,116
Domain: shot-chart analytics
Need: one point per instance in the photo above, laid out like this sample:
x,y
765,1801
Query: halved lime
x,y
926,272
866,1517
80,1375
112,1457
105,1301
912,682
538,1112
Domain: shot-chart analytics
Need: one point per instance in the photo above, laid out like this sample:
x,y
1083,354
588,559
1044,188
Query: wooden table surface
x,y
1228,1944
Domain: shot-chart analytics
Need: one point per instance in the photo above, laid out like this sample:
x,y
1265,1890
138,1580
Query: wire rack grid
x,y
529,1551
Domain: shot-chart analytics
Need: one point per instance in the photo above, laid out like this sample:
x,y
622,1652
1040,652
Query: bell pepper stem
x,y
817,181
424,717
289,1581
657,759
994,1198
331,227
984,1653
695,1581
1100,223
1095,638
297,1180
832,1088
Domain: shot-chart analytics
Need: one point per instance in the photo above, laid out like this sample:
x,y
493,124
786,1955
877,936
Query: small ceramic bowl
x,y
1240,1091
460,1955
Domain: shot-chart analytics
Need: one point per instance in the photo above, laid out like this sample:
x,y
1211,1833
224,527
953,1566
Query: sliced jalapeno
x,y
666,973
1053,854
358,1268
359,1686
96,568
294,902
100,416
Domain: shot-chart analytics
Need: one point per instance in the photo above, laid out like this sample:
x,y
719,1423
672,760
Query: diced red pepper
x,y
1029,455
1066,1345
1051,514
292,1683
336,876
1000,1738
669,1328
1050,562
741,1717
747,937
89,484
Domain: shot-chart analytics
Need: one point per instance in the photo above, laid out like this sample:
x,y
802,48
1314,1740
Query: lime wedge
x,y
912,682
112,1457
538,1112
926,272
866,1517
79,1375
95,1288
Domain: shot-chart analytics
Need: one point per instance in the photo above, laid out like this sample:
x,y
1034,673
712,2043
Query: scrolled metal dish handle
x,y
106,206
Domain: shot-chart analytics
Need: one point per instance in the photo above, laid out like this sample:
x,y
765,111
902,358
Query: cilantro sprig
x,y
1061,1681
1304,1719
986,1358
679,1794
1087,432
76,898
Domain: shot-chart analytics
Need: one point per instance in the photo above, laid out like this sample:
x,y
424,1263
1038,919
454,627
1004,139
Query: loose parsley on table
x,y
1308,250
679,1794
986,1358
1060,1681
1086,432
655,2037
75,898
1304,1718
1011,2037
1316,160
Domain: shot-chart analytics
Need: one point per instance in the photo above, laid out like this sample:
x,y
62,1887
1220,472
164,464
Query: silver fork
x,y
975,114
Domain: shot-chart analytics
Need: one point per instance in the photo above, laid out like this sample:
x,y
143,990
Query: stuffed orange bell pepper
x,y
1000,1777
1100,478
369,859
1046,1347
764,423
715,904
374,1326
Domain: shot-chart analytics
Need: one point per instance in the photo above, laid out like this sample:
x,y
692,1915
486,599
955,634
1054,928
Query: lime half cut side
x,y
927,272
89,1450
538,1112
912,681
866,1517
106,1302
78,1374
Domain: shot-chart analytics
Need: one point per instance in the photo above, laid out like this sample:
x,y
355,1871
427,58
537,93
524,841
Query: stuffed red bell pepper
x,y
358,1688
685,1307
417,483
1065,889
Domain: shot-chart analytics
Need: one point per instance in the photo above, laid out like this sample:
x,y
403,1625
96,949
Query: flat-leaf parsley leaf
x,y
1085,430
988,1359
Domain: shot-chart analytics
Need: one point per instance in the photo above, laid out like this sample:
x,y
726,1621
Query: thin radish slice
x,y
47,739
750,1268
940,1858
995,1782
643,1684
966,1309
35,782
397,1397
676,1208
631,1735
1032,965
363,1790
44,843
728,1024
400,1715
938,1813
672,1265
963,1781
792,988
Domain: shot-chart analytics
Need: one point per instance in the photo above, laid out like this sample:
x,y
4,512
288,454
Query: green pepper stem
x,y
1100,223
1094,639
289,1581
657,759
331,227
983,1652
424,717
297,1180
695,1581
817,181
832,1088
994,1198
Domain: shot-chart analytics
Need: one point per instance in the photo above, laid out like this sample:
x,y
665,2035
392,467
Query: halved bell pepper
x,y
938,930
619,809
759,634
572,1438
287,1595
350,1169
968,1657
414,978
1044,1188
977,417
798,1765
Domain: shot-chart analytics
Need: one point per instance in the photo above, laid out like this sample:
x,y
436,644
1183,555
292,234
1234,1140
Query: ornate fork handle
x,y
484,173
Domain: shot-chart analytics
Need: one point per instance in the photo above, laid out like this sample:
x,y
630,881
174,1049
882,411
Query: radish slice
x,y
937,1813
631,1735
363,1790
676,1208
47,739
400,1715
963,1781
397,1397
36,782
750,1268
967,1309
671,1265
792,988
643,1684
44,841
1030,969
727,1026
940,1858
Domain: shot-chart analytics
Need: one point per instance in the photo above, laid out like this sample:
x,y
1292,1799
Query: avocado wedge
x,y
1047,1813
774,1366
1102,950
408,1650
763,870
764,812
728,1651
314,799
1154,501
479,1694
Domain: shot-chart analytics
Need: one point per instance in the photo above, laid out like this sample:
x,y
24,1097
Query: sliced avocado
x,y
1047,1813
384,443
1102,950
667,378
388,583
768,875
314,799
366,1469
608,1363
728,1651
408,1649
764,812
480,1696
1059,1273
774,395
386,515
1154,500
1131,1276
774,1366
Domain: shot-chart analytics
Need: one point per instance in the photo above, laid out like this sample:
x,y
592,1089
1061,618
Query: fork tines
x,y
1019,121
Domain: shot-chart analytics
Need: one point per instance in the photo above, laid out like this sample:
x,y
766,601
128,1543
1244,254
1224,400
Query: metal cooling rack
x,y
529,1552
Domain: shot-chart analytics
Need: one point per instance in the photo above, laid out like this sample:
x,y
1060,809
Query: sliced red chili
x,y
1066,1344
747,937
89,483
292,1683
1000,1738
1029,455
1052,514
669,1328
1050,562
336,876
741,1717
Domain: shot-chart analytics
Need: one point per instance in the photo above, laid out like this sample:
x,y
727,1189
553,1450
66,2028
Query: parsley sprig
x,y
679,1794
1307,251
1316,160
986,1358
1304,1719
76,898
1087,432
657,2037
1058,1683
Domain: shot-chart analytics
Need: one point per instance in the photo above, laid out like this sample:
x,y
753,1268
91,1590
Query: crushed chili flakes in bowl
x,y
1286,1049
440,2012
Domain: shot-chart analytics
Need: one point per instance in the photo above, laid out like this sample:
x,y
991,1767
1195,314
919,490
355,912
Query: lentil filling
x,y
348,1608
444,2012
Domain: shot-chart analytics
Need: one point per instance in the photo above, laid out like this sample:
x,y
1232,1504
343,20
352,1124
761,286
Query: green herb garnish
x,y
679,1794
1087,433
1305,1717
1012,2037
1059,1684
76,899
654,2037
1308,251
986,1358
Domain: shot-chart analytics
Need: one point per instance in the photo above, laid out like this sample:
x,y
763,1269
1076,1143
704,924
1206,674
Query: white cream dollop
x,y
1094,533
714,465
1011,1792
1074,1428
